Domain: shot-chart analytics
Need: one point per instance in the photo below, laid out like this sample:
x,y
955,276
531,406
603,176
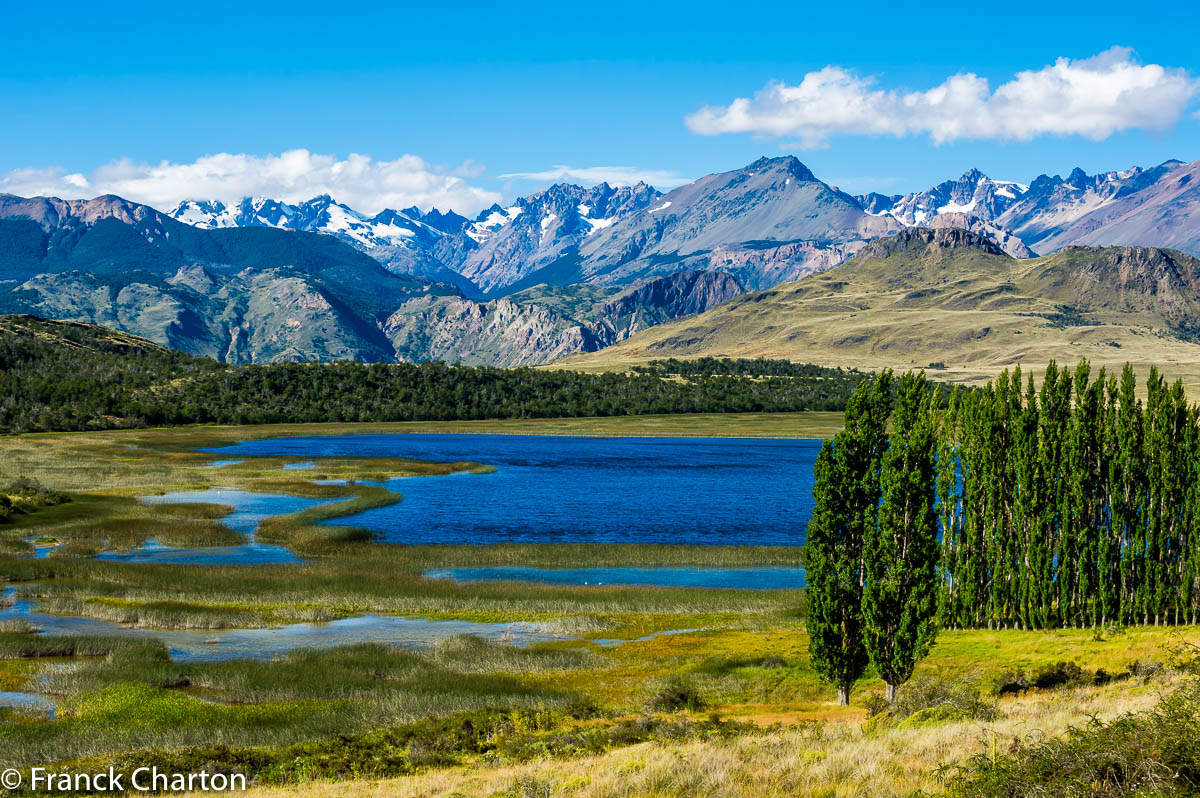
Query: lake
x,y
707,491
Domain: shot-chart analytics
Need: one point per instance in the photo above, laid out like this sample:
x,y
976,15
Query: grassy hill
x,y
950,297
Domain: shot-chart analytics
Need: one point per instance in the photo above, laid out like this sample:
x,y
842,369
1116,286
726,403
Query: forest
x,y
1070,505
57,376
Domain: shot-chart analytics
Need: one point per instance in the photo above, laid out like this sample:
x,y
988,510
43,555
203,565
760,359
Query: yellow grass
x,y
822,759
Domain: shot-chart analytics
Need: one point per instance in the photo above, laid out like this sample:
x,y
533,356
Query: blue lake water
x,y
711,491
34,702
752,578
252,553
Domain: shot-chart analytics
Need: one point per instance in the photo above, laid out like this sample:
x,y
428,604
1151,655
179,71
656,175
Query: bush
x,y
876,704
26,493
1069,674
675,695
942,698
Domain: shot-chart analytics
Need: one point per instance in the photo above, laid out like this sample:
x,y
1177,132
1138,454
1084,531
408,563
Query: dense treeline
x,y
284,392
750,367
1076,504
1070,505
62,376
56,376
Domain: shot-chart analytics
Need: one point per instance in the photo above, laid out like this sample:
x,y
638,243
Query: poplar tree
x,y
1077,503
950,509
1083,517
1129,502
1053,423
1110,542
900,551
969,564
846,500
1189,594
1021,567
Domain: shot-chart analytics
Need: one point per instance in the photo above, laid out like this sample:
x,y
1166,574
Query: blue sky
x,y
479,91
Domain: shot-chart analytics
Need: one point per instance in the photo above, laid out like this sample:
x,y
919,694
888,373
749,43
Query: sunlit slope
x,y
948,296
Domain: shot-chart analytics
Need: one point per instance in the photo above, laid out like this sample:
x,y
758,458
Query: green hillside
x,y
953,299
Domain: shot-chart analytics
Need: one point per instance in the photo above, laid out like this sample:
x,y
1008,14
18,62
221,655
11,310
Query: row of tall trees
x,y
1076,504
1072,504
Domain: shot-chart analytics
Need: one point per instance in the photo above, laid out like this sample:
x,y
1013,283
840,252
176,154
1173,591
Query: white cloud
x,y
1094,97
363,183
613,175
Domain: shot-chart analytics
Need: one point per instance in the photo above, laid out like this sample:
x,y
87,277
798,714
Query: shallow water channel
x,y
219,644
749,578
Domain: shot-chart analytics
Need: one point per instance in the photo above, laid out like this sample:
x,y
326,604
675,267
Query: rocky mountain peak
x,y
788,165
1078,179
921,240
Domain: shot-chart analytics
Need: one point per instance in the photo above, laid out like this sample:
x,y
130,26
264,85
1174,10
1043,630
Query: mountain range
x,y
1159,206
260,293
564,271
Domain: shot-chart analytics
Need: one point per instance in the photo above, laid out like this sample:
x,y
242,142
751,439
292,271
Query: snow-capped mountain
x,y
322,214
403,241
1154,207
765,223
543,229
974,194
1158,206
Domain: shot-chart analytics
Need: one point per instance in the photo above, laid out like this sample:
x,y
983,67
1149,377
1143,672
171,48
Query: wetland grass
x,y
135,697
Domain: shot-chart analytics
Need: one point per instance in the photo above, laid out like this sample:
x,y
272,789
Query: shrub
x,y
1069,674
942,698
26,493
675,695
876,704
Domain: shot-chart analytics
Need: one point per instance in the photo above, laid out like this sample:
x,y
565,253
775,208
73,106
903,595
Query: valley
x,y
518,401
284,497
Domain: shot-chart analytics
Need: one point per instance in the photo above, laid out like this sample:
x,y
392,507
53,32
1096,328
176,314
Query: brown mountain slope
x,y
948,296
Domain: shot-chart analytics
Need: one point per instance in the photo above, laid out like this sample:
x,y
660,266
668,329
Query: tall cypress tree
x,y
900,552
846,500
